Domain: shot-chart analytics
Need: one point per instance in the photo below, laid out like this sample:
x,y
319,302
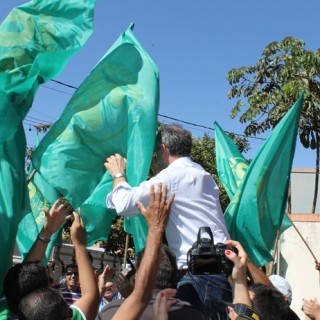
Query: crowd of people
x,y
176,203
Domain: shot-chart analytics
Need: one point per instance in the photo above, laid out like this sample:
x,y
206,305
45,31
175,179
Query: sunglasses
x,y
70,273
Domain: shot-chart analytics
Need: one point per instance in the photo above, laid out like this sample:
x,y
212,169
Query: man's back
x,y
196,205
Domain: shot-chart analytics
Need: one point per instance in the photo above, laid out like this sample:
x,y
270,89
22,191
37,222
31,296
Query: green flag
x,y
36,41
231,165
113,111
257,208
31,224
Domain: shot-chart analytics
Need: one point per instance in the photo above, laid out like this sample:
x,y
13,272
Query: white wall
x,y
297,264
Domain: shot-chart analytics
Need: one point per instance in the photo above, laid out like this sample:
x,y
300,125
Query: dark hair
x,y
177,140
269,302
22,279
167,268
71,266
43,304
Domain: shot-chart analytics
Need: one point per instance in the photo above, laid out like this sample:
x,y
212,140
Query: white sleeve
x,y
123,198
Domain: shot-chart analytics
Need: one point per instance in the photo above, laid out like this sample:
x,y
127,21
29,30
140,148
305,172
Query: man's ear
x,y
164,149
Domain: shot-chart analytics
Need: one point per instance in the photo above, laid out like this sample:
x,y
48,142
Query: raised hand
x,y
157,213
56,216
78,231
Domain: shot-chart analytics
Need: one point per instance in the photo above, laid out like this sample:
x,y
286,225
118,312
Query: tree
x,y
203,153
271,87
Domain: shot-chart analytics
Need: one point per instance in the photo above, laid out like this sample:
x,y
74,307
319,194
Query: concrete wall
x,y
297,264
302,190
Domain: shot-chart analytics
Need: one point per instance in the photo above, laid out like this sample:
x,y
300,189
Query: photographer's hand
x,y
238,277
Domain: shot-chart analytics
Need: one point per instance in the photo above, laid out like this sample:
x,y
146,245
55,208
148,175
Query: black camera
x,y
207,258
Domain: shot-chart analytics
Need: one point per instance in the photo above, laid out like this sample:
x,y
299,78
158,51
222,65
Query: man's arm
x,y
55,217
123,197
90,298
256,275
157,215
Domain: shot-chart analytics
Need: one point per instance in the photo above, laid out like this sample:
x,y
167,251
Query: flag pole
x,y
125,252
305,242
31,176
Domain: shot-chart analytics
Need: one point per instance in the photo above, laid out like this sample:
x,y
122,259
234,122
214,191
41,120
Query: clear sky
x,y
194,44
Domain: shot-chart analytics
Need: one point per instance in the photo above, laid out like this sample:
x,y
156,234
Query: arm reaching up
x,y
157,215
55,217
90,298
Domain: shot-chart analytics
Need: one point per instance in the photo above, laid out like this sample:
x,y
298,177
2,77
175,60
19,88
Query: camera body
x,y
207,258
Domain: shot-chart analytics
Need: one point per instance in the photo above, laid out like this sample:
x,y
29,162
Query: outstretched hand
x,y
311,308
157,213
56,216
78,231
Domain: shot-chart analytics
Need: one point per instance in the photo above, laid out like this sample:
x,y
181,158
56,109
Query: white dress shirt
x,y
196,204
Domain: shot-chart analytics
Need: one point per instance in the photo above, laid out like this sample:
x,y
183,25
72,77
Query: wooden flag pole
x,y
125,252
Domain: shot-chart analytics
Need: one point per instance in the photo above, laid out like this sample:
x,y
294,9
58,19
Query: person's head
x,y
167,268
22,279
72,277
44,304
110,291
173,142
283,286
268,302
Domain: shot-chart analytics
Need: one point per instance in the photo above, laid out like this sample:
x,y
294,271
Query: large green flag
x,y
36,41
231,165
257,208
31,224
113,111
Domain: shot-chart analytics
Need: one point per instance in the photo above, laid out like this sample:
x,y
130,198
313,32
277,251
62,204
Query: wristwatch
x,y
119,175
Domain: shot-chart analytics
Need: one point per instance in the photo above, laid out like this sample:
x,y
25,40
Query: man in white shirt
x,y
196,195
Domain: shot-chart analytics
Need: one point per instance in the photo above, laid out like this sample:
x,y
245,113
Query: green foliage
x,y
273,84
117,237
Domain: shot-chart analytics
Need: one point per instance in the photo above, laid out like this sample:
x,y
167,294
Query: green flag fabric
x,y
231,165
31,224
113,111
256,210
36,41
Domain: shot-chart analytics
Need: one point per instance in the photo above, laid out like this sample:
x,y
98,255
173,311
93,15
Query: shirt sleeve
x,y
77,313
123,197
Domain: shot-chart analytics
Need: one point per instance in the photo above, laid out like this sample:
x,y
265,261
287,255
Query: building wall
x,y
297,264
302,190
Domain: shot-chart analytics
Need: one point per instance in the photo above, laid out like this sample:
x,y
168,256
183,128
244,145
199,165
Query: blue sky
x,y
194,44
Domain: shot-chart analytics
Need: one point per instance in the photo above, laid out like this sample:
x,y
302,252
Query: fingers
x,y
140,206
168,293
77,219
163,193
170,200
68,217
46,211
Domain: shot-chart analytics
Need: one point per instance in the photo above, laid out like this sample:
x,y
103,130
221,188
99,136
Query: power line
x,y
161,115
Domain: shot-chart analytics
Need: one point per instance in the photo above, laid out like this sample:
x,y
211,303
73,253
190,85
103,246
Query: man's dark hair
x,y
269,302
167,268
22,279
71,266
43,304
177,140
